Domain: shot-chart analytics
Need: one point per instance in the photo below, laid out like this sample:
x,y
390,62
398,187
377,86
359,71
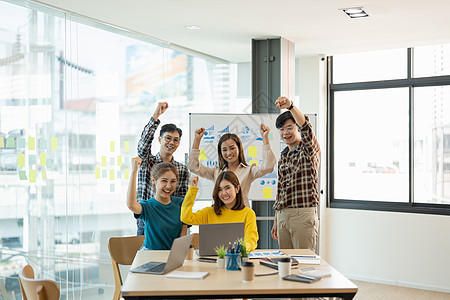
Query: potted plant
x,y
244,253
221,251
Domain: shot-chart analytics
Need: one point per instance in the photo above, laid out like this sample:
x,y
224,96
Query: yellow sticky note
x,y
97,173
43,159
21,160
54,144
44,174
254,162
111,174
126,173
111,146
203,156
252,151
31,143
119,160
32,176
267,192
103,161
2,142
127,146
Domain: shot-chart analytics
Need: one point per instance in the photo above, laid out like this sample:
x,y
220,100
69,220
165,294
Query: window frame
x,y
409,82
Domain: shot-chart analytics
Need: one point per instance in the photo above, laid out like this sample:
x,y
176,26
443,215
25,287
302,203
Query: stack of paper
x,y
187,275
307,259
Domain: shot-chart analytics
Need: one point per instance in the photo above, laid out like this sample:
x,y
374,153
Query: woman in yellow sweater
x,y
228,207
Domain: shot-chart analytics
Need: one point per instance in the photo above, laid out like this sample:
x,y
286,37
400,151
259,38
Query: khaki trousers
x,y
298,228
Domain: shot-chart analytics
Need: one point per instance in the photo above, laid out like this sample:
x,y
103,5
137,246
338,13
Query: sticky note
x,y
2,142
31,143
126,173
267,192
270,136
20,160
21,143
103,161
254,162
44,174
111,146
31,159
252,151
203,156
32,176
54,143
111,161
10,142
22,175
112,188
43,159
43,144
103,173
119,174
49,163
119,160
111,174
126,146
97,173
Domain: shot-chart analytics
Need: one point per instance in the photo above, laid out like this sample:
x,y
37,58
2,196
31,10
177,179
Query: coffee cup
x,y
190,254
284,266
248,271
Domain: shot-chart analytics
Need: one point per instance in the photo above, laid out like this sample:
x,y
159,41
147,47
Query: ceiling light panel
x,y
355,12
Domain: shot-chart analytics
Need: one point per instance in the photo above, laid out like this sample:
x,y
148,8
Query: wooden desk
x,y
228,284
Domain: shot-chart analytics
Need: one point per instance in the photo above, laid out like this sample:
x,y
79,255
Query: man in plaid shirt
x,y
296,223
169,138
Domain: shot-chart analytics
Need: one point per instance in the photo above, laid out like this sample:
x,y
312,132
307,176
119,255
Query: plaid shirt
x,y
145,188
298,172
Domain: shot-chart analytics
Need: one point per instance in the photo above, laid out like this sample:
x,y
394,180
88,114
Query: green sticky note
x,y
21,160
103,173
21,143
49,163
252,151
43,144
111,174
112,188
126,173
270,136
54,143
97,173
103,161
32,176
127,146
119,174
43,159
10,142
31,143
119,160
111,146
111,161
2,142
22,175
31,159
44,174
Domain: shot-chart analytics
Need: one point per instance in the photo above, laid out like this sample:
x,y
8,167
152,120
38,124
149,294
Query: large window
x,y
390,131
74,98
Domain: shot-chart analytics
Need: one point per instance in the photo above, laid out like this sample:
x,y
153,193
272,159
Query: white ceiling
x,y
315,26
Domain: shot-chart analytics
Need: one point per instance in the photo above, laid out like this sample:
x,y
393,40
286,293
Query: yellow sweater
x,y
208,216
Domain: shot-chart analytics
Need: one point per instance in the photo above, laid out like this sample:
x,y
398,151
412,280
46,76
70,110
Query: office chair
x,y
122,251
37,289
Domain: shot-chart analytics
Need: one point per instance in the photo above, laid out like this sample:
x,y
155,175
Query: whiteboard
x,y
247,128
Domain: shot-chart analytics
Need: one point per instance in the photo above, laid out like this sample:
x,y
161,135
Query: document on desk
x,y
187,275
307,259
263,254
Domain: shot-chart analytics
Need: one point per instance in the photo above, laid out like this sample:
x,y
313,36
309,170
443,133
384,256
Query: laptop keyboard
x,y
154,266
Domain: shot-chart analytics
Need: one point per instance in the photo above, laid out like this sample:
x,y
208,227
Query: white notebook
x,y
187,275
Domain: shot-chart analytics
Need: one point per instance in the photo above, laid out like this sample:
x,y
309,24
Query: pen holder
x,y
233,261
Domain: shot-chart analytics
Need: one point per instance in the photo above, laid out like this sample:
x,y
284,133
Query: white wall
x,y
402,249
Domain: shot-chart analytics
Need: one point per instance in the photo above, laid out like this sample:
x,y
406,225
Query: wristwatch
x,y
292,105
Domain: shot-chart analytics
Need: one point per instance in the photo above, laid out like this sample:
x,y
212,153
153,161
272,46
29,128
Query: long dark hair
x,y
232,178
222,162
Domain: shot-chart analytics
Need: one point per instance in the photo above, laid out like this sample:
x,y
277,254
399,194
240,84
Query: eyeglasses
x,y
288,128
169,139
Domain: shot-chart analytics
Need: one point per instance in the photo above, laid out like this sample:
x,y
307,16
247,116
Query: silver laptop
x,y
213,235
178,252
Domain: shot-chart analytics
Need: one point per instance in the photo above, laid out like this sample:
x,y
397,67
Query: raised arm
x,y
134,206
268,157
187,216
283,102
194,164
145,143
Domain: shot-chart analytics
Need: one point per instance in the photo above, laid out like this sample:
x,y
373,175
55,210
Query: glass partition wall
x,y
74,98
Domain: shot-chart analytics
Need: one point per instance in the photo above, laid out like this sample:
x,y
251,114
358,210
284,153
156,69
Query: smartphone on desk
x,y
207,259
301,278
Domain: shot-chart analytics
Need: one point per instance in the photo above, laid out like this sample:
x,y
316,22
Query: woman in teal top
x,y
161,213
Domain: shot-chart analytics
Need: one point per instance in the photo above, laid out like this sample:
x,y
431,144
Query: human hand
x,y
199,133
194,180
135,163
160,109
283,102
264,130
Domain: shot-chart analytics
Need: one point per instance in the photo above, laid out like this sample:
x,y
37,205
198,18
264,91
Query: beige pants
x,y
298,228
